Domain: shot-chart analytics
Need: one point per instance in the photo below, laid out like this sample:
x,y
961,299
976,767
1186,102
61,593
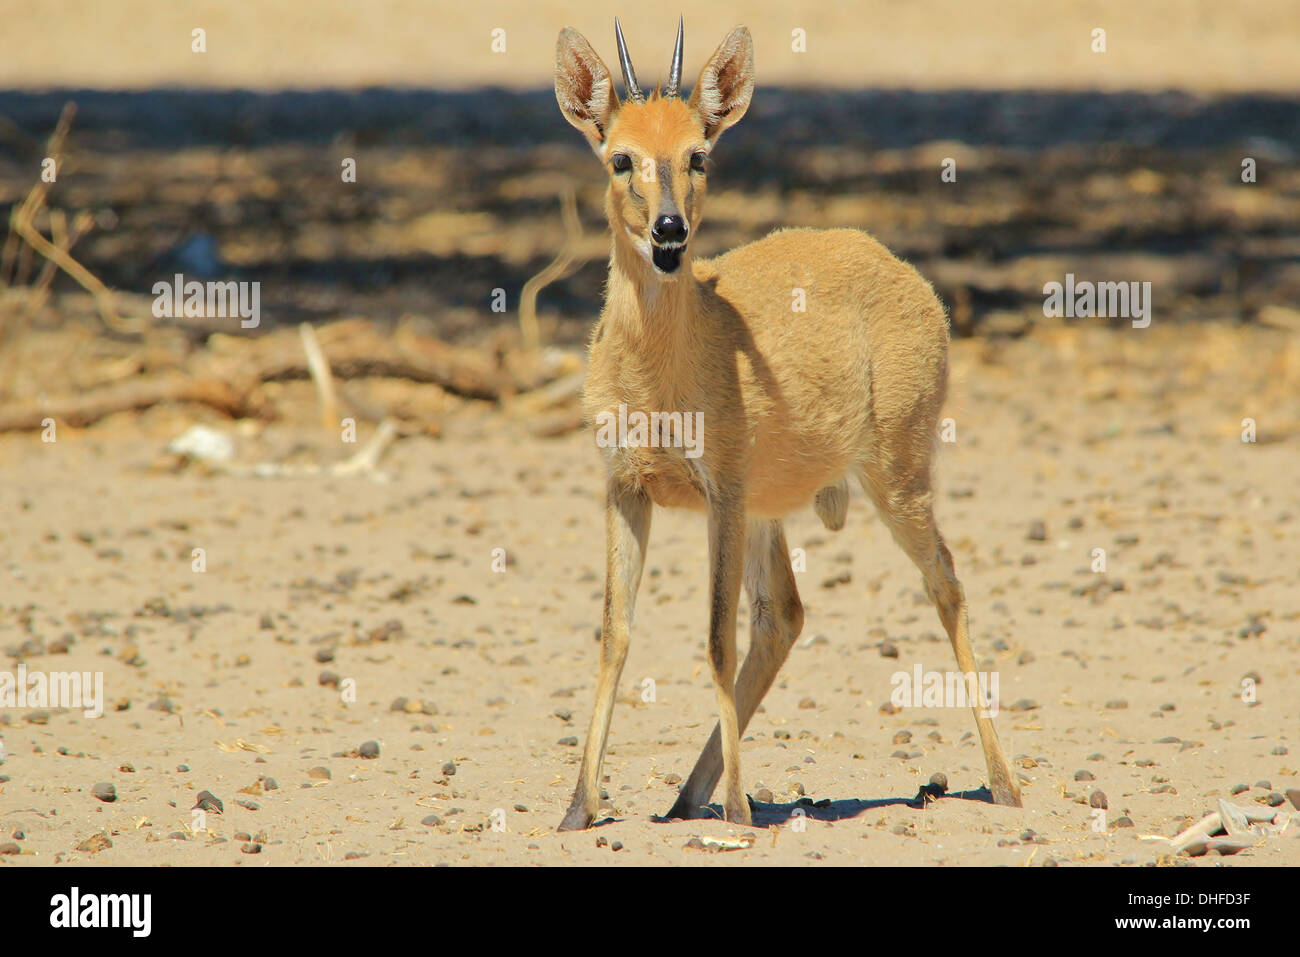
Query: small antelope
x,y
794,402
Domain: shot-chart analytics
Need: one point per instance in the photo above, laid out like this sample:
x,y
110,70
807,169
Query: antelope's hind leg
x,y
776,617
627,530
905,502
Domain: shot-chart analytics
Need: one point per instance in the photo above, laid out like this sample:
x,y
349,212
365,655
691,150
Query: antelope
x,y
794,402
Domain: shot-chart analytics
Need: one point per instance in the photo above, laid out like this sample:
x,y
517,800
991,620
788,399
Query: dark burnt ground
x,y
456,195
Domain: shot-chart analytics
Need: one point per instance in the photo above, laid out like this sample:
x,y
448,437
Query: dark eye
x,y
622,162
698,160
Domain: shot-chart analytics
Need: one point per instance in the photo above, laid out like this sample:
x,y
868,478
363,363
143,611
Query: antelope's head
x,y
655,148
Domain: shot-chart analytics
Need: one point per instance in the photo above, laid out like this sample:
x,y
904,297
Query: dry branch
x,y
24,238
365,352
137,394
231,380
319,368
562,265
364,462
35,197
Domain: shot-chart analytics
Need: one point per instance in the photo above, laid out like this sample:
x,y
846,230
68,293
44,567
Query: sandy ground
x,y
1013,44
1124,440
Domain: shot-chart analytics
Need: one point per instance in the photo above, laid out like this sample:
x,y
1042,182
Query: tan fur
x,y
793,402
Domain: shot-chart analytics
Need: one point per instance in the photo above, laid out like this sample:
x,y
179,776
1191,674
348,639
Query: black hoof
x,y
576,819
681,811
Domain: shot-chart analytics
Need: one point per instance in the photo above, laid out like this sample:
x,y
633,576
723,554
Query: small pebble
x,y
1084,776
105,791
449,768
270,784
320,774
208,801
432,821
1098,799
369,749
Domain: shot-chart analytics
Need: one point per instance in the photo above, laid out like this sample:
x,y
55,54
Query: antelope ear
x,y
583,87
726,84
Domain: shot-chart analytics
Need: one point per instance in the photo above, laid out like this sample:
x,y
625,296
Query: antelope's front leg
x,y
726,561
627,528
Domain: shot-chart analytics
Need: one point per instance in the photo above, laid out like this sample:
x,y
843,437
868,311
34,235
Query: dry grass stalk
x,y
564,263
319,368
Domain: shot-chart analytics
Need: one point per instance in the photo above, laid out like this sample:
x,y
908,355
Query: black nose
x,y
669,229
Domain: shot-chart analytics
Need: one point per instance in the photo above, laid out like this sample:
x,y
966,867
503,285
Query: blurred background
x,y
225,164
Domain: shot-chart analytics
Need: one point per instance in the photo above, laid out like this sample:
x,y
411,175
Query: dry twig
x,y
564,263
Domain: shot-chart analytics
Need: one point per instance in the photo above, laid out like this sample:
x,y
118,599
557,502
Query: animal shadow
x,y
774,815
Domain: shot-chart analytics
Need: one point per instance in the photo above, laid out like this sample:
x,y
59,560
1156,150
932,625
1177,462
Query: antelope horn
x,y
675,70
629,75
